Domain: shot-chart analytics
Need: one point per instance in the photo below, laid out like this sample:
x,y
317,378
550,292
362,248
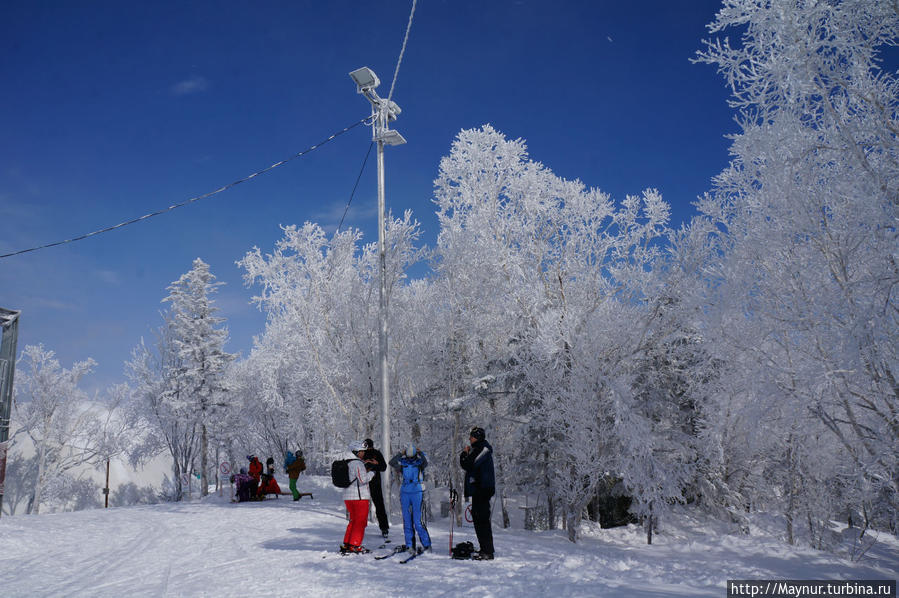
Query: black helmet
x,y
477,433
368,443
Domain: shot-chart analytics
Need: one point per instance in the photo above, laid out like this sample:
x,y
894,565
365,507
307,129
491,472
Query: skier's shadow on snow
x,y
306,541
287,544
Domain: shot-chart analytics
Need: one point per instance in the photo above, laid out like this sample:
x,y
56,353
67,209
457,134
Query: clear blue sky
x,y
110,110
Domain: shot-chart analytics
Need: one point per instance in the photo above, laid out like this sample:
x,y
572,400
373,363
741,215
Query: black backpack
x,y
340,473
463,550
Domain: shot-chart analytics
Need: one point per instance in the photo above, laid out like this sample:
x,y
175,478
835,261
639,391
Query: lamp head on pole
x,y
391,137
365,79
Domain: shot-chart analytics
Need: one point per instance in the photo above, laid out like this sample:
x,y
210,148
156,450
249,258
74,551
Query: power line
x,y
358,178
191,200
399,60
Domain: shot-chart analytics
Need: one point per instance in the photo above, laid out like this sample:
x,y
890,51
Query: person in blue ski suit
x,y
411,465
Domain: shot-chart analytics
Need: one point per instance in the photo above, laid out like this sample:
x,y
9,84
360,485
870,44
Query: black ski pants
x,y
377,497
480,516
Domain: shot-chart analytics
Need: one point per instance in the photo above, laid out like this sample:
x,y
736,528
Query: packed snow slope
x,y
283,548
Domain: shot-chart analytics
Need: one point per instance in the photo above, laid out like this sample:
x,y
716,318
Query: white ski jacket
x,y
358,488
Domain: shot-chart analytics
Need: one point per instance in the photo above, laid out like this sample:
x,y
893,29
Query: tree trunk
x,y
789,518
454,466
218,478
791,496
550,511
550,506
179,490
572,522
507,522
816,538
34,504
501,478
204,461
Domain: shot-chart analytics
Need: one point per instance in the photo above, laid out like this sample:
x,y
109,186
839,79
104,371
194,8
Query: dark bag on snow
x,y
463,550
340,473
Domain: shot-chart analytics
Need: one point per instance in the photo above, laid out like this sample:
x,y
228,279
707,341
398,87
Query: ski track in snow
x,y
220,549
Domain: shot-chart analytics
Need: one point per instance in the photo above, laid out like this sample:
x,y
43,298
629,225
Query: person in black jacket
x,y
480,484
374,461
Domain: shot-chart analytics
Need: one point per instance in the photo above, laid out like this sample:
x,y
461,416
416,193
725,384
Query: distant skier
x,y
356,498
294,464
477,461
374,461
411,465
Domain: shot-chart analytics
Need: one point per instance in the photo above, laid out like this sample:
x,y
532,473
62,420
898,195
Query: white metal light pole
x,y
382,111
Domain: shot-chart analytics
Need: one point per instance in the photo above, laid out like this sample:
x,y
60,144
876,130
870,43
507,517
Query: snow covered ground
x,y
279,547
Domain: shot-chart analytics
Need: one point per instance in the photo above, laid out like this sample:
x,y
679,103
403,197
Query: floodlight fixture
x,y
365,79
391,137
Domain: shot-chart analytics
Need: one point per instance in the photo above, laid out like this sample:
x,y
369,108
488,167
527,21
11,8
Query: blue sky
x,y
110,110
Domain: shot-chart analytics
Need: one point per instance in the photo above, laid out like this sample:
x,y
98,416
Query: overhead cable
x,y
191,200
399,60
361,170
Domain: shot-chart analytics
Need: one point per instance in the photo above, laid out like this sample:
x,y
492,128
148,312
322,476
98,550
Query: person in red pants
x,y
356,497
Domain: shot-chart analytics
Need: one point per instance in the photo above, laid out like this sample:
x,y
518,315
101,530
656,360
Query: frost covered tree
x,y
270,404
18,487
805,219
318,358
538,283
157,395
307,286
53,412
546,281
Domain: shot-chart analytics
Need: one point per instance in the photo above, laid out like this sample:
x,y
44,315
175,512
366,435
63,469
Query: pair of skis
x,y
399,550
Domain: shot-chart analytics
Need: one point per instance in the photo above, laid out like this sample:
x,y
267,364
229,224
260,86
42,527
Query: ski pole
x,y
452,517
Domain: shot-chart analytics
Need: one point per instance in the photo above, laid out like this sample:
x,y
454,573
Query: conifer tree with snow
x,y
180,385
200,348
